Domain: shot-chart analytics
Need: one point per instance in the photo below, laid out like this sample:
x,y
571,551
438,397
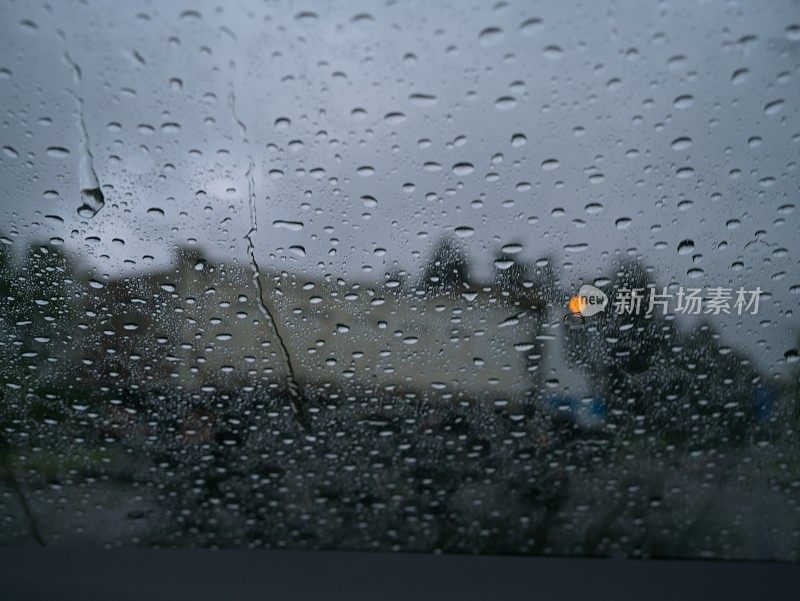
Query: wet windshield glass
x,y
413,276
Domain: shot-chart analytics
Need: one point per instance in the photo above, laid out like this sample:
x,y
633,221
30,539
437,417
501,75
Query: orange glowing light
x,y
575,305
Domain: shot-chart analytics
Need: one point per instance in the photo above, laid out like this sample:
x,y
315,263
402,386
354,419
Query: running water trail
x,y
295,397
92,199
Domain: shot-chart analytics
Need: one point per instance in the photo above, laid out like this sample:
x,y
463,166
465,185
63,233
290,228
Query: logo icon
x,y
589,301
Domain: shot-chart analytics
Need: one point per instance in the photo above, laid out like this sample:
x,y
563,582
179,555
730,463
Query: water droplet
x,y
552,52
677,62
512,249
685,247
681,143
395,118
57,152
491,36
463,168
292,226
93,201
773,107
423,100
739,76
793,32
531,26
505,103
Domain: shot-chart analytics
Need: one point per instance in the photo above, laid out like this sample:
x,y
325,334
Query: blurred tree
x,y
447,269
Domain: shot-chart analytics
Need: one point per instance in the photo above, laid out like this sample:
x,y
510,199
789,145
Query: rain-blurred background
x,y
293,275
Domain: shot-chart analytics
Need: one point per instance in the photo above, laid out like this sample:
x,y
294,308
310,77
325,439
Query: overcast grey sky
x,y
583,132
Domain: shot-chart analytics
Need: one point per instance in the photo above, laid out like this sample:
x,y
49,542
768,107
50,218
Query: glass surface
x,y
311,275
